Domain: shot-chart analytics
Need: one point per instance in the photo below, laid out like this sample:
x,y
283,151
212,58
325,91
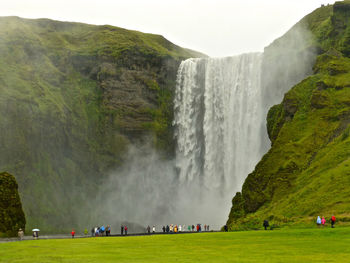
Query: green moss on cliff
x,y
11,214
73,97
307,170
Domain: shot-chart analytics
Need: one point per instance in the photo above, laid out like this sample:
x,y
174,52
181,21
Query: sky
x,y
217,27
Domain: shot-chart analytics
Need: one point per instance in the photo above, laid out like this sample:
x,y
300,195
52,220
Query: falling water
x,y
218,121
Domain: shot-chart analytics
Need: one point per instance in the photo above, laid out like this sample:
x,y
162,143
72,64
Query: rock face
x,y
11,214
73,98
307,169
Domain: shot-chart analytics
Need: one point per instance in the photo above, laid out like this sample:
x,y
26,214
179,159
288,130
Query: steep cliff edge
x,y
11,214
73,97
307,170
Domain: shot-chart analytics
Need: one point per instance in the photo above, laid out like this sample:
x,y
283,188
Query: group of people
x,y
179,228
98,231
322,222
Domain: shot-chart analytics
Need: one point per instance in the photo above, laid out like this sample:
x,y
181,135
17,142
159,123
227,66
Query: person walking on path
x,y
318,221
332,221
121,230
72,233
126,230
20,234
323,221
108,230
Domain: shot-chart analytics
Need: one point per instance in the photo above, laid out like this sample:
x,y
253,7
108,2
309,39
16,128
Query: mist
x,y
220,128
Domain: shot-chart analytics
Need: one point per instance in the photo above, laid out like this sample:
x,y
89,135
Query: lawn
x,y
301,245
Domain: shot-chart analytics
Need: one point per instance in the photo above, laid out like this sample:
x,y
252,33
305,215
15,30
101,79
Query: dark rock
x,y
11,214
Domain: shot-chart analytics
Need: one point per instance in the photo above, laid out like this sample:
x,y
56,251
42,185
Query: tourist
x,y
126,230
163,229
332,221
318,221
192,228
323,221
265,224
226,228
108,230
72,233
92,231
149,230
189,228
121,230
153,229
167,228
207,227
20,234
180,228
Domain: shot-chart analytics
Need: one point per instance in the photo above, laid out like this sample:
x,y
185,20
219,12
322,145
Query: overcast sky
x,y
216,27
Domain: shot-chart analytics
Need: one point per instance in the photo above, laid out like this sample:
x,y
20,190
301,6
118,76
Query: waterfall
x,y
218,121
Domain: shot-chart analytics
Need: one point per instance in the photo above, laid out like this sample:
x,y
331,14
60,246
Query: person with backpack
x,y
332,221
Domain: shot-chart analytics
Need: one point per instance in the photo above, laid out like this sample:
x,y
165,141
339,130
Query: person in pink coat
x,y
323,221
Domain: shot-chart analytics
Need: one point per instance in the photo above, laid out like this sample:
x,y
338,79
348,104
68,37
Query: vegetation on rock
x,y
73,97
306,172
11,214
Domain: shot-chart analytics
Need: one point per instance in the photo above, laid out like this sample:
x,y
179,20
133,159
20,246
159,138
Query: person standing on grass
x,y
207,227
72,233
265,224
318,221
323,221
149,230
126,230
189,228
163,229
332,221
167,228
20,234
121,230
154,229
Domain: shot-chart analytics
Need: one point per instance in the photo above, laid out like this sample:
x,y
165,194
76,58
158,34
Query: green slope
x,y
73,97
306,172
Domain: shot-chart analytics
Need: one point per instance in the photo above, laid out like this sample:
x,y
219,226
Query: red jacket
x,y
73,233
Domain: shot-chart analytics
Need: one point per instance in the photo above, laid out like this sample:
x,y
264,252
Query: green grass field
x,y
301,245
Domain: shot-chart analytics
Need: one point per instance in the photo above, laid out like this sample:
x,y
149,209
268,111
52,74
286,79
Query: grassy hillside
x,y
306,172
312,245
73,97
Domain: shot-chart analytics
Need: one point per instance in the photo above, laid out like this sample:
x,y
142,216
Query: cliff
x,y
73,98
306,172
